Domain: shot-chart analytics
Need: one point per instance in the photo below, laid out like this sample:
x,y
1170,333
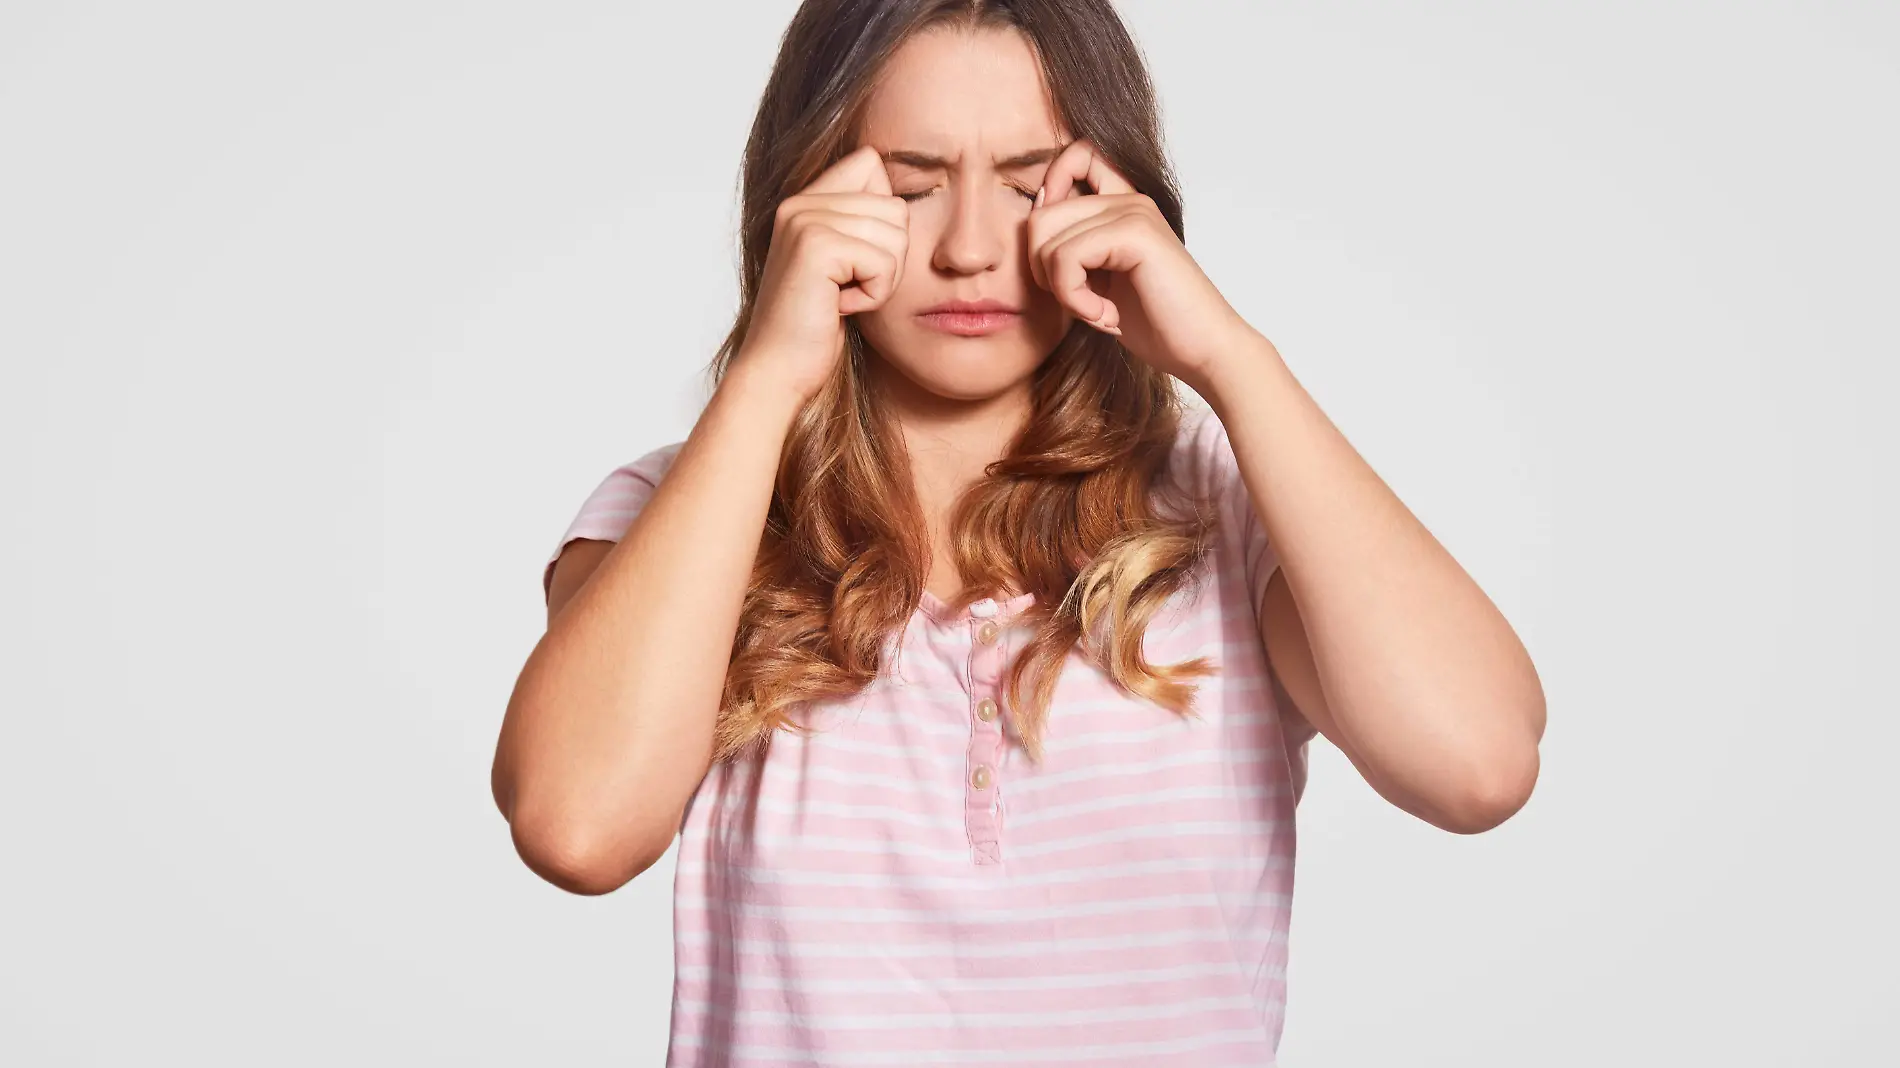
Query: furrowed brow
x,y
929,162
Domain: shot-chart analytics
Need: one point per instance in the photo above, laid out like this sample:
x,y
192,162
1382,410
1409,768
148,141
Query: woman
x,y
946,641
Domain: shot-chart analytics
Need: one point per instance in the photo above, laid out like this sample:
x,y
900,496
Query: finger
x,y
866,274
892,239
889,208
1080,161
881,232
1092,246
1055,265
1070,283
882,228
1048,223
860,171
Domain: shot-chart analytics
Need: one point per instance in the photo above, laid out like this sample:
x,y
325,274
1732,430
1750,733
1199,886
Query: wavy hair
x,y
1077,511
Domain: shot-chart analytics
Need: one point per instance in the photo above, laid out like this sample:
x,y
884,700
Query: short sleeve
x,y
1209,456
608,511
1209,459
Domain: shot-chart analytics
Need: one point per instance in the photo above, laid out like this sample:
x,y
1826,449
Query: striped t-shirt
x,y
904,887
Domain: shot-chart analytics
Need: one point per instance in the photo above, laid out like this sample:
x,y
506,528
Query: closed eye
x,y
1027,193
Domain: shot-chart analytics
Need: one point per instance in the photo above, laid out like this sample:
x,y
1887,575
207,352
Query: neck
x,y
949,439
950,442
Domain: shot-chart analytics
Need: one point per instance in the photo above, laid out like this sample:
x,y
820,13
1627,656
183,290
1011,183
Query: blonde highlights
x,y
1081,510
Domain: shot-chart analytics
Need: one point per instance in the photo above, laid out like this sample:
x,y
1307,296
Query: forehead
x,y
950,89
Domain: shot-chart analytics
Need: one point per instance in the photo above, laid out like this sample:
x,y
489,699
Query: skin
x,y
973,100
1387,647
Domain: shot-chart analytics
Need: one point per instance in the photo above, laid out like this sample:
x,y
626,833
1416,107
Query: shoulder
x,y
1202,457
646,469
630,484
1208,468
609,510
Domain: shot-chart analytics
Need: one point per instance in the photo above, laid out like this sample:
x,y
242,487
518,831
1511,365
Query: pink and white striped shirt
x,y
905,888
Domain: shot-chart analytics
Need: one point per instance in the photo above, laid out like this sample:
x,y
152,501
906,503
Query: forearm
x,y
1426,685
610,727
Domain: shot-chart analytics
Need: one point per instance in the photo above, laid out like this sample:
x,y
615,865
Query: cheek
x,y
876,326
922,238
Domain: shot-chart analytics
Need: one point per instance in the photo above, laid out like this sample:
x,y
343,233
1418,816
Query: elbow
x,y
581,860
1492,792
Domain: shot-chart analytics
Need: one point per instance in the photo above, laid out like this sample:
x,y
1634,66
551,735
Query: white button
x,y
980,778
986,633
986,710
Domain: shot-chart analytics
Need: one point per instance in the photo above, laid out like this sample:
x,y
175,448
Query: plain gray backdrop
x,y
319,320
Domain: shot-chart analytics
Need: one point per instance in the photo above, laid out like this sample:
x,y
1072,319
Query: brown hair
x,y
1070,514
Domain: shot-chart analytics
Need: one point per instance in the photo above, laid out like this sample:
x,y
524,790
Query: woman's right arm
x,y
610,726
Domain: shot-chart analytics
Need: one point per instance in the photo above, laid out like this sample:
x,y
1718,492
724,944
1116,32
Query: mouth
x,y
970,318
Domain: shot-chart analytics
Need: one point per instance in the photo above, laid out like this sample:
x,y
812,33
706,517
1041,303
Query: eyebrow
x,y
925,160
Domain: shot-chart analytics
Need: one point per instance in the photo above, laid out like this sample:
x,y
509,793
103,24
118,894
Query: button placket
x,y
981,785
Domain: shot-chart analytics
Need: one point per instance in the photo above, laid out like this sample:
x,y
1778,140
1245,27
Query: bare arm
x,y
610,726
1384,642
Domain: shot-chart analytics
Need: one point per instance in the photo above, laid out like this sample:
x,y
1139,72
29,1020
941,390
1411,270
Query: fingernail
x,y
1039,192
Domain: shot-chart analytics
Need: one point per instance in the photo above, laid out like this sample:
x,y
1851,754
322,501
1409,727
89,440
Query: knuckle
x,y
809,239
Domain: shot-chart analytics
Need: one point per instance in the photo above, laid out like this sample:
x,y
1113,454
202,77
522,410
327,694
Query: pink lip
x,y
968,324
970,318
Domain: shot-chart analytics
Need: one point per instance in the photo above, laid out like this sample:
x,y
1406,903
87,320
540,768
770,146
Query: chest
x,y
923,775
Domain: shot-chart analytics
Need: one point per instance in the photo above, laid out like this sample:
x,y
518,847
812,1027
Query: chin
x,y
962,368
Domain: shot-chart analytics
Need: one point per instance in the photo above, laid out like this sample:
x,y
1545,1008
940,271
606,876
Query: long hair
x,y
1072,513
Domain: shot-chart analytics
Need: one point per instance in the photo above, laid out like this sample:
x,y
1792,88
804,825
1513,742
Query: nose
x,y
976,238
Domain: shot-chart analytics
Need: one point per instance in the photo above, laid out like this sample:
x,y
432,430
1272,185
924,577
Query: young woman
x,y
972,671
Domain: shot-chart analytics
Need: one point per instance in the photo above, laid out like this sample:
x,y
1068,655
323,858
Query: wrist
x,y
765,399
1237,370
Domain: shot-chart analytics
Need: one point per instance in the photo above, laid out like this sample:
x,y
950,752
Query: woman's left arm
x,y
1387,646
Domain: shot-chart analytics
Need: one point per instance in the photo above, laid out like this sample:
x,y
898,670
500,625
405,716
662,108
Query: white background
x,y
318,322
